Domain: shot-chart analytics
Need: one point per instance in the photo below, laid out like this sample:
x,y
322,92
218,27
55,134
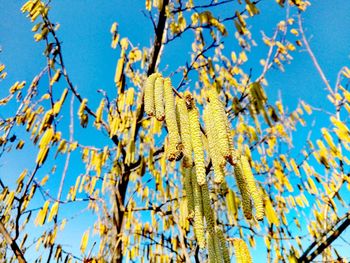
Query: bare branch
x,y
71,132
313,57
16,250
325,241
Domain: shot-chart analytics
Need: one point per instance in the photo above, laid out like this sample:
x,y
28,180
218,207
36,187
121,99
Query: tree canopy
x,y
190,156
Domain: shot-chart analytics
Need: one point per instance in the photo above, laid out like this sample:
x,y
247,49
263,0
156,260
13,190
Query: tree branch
x,y
158,39
312,56
324,242
16,250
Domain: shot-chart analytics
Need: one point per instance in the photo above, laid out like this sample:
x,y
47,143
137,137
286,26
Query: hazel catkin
x,y
254,192
198,223
149,94
196,139
217,159
159,99
222,126
223,247
185,132
218,252
241,251
211,248
243,188
175,145
186,173
208,211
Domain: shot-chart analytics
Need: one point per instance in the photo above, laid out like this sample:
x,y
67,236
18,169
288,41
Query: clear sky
x,y
90,61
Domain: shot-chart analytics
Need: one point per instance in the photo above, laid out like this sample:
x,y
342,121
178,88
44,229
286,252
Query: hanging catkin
x,y
223,247
211,249
218,252
196,139
243,188
159,98
210,222
241,251
185,132
220,118
217,159
237,249
208,211
175,145
254,192
186,173
149,94
198,211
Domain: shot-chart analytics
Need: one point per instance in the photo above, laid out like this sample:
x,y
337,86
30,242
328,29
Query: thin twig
x,y
12,243
189,68
332,236
71,133
313,57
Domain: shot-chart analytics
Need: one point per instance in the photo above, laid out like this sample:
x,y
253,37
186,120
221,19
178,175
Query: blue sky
x,y
90,61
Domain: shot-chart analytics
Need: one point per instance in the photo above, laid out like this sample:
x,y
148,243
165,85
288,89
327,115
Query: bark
x,y
321,246
123,185
16,250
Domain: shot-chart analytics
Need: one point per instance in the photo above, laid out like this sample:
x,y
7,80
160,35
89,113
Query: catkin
x,y
186,173
223,247
198,211
237,249
208,211
254,192
196,139
211,249
218,252
243,188
159,98
218,115
149,94
241,251
185,132
210,221
175,145
217,159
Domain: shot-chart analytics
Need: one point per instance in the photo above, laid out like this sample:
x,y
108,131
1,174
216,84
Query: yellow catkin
x,y
223,247
241,251
243,188
159,98
99,114
198,211
185,132
237,249
119,72
254,191
196,139
175,145
149,94
210,221
186,173
218,252
208,211
219,116
217,159
211,249
271,214
82,107
245,252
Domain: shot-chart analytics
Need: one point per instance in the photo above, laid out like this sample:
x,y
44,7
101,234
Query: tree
x,y
162,188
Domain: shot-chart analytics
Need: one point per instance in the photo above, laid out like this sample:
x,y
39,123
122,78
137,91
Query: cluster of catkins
x,y
185,142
